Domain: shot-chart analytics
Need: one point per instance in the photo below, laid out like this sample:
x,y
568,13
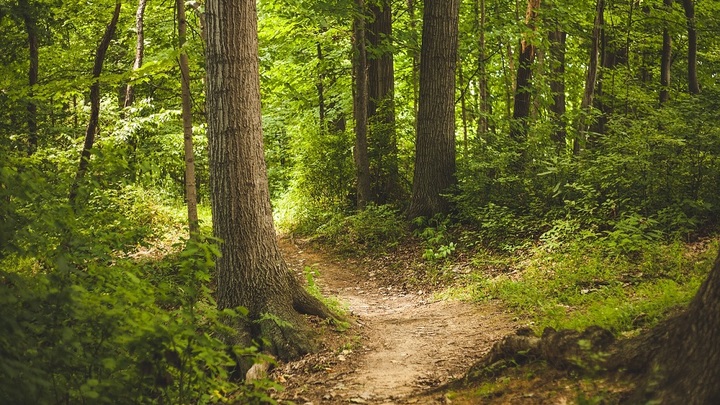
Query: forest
x,y
359,201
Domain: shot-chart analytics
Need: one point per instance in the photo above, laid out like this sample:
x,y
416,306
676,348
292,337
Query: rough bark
x,y
362,163
686,367
94,103
251,271
33,55
385,178
521,106
591,77
139,50
190,186
693,84
435,143
665,58
557,86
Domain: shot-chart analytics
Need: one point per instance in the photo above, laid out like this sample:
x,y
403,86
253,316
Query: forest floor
x,y
401,344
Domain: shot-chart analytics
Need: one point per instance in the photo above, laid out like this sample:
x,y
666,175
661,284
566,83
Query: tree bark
x,y
686,368
693,85
557,86
94,103
362,163
139,49
251,271
190,186
521,108
591,77
666,58
385,178
435,143
31,28
484,108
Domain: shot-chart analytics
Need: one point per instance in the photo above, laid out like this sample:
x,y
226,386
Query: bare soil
x,y
401,343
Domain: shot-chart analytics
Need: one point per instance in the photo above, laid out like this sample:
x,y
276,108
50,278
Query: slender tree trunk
x,y
385,177
693,85
31,28
321,88
94,103
557,86
251,271
591,77
415,57
362,163
190,186
463,109
435,144
666,58
521,109
483,93
139,50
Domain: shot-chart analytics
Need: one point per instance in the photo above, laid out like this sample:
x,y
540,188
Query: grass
x,y
583,285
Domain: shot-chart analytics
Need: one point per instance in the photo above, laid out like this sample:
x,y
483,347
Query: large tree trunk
x,y
435,144
666,58
385,178
686,369
251,271
190,187
31,29
362,163
139,49
94,103
693,85
521,109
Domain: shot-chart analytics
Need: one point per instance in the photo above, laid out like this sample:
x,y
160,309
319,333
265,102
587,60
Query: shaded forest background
x,y
586,152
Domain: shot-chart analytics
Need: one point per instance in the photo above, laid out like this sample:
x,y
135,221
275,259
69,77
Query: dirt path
x,y
405,342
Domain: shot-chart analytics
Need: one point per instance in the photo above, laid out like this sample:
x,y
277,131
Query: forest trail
x,y
405,343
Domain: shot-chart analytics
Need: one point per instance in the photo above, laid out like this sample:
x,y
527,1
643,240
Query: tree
x,y
435,138
591,76
94,102
190,188
557,38
381,103
686,368
521,109
139,49
362,163
251,271
693,85
666,57
29,19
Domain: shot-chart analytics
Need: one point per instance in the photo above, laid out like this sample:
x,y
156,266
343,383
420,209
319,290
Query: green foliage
x,y
374,229
436,237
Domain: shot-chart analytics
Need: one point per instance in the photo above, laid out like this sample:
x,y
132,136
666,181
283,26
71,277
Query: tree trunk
x,y
693,85
591,77
557,86
484,109
251,271
31,29
94,103
321,88
362,164
686,369
415,55
435,144
190,187
385,177
139,50
521,109
666,58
